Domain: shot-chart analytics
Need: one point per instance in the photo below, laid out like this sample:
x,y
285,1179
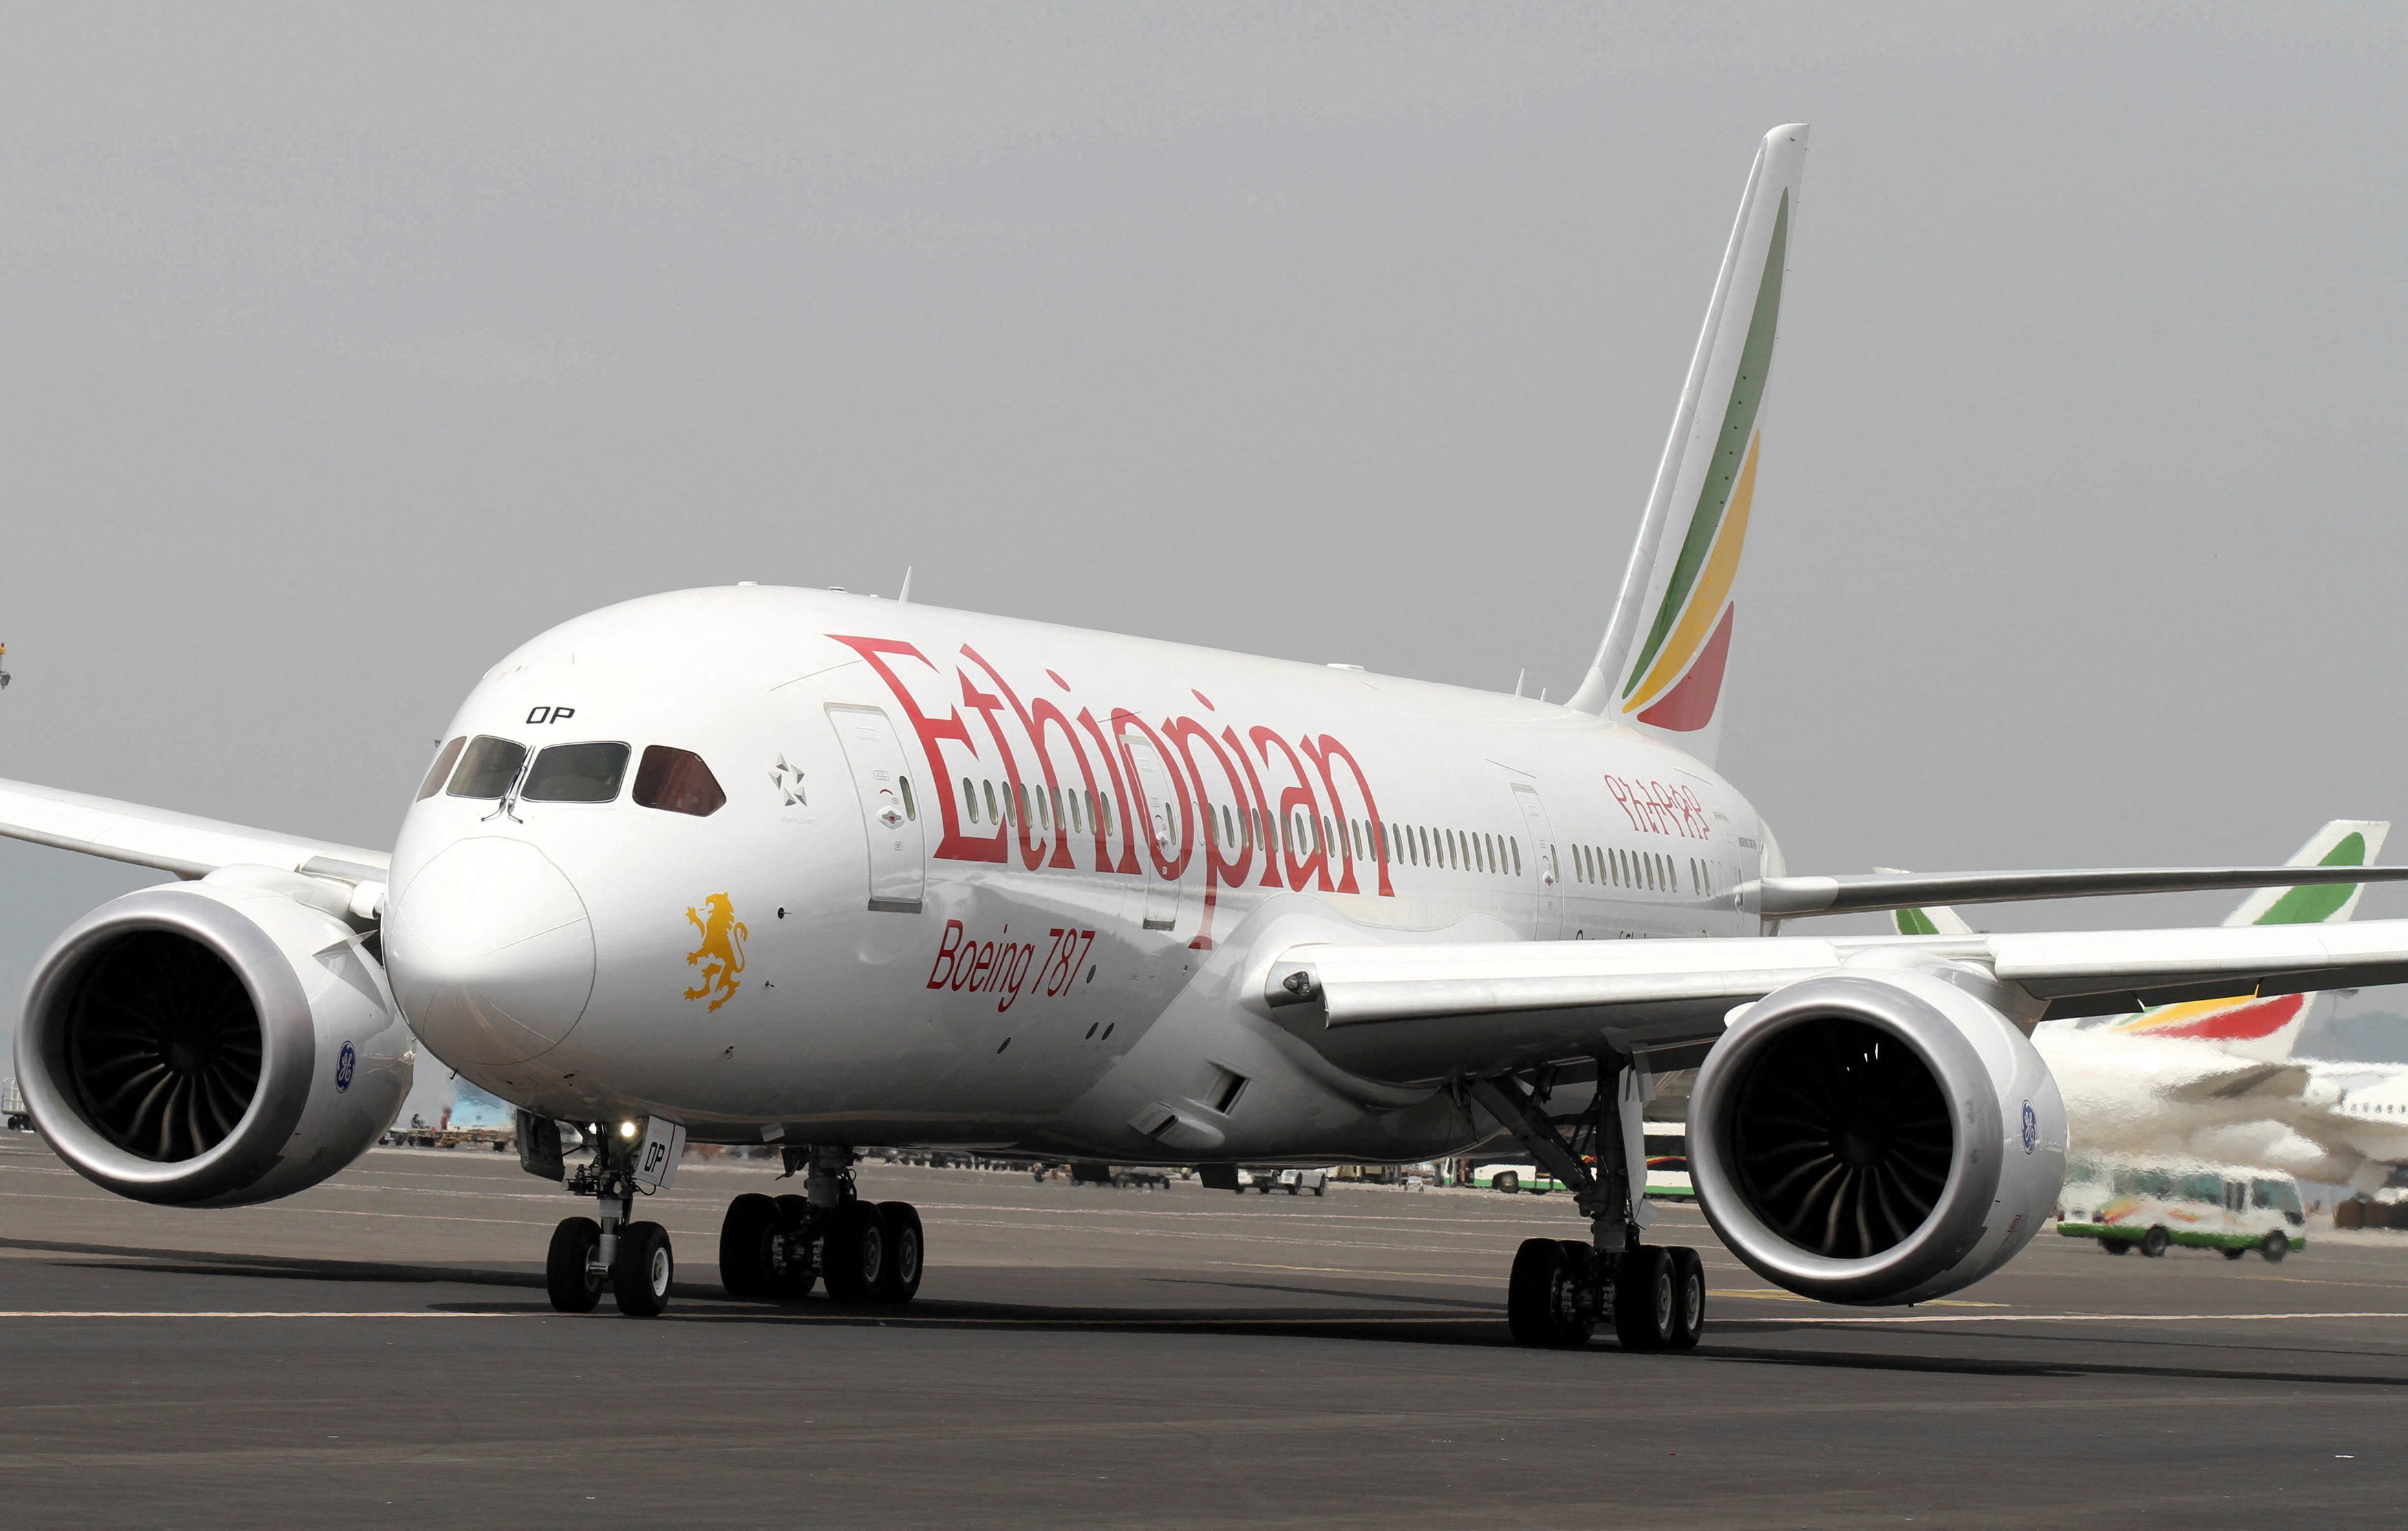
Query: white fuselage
x,y
962,888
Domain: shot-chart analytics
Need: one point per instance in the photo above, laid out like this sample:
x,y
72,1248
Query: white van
x,y
2151,1205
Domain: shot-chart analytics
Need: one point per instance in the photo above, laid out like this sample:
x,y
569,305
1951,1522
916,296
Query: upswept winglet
x,y
1662,661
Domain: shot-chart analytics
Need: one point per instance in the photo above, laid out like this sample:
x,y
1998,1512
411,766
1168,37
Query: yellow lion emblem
x,y
721,956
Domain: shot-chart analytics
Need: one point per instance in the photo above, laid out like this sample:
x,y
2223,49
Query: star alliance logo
x,y
788,779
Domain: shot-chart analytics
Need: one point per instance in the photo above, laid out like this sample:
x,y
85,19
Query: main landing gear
x,y
776,1249
1562,1290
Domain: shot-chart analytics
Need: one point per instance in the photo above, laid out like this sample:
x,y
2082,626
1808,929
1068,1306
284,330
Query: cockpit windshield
x,y
440,771
677,781
488,767
576,773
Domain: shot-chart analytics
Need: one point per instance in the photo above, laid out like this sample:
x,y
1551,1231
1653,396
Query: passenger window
x,y
969,801
576,773
440,771
1517,856
488,768
911,809
677,781
988,789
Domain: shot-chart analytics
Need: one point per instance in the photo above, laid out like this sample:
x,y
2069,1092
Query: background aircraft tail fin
x,y
1661,663
2267,1028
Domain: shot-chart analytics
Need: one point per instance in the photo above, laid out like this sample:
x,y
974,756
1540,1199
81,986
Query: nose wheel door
x,y
889,807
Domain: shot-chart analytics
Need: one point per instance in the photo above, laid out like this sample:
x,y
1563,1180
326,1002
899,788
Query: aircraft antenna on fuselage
x,y
1661,663
905,598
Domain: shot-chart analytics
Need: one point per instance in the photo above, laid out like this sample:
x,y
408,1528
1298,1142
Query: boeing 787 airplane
x,y
883,873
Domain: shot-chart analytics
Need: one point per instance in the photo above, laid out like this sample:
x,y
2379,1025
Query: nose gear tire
x,y
642,1274
568,1276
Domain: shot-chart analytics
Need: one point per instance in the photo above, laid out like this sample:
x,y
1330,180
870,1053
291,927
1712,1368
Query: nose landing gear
x,y
588,1254
778,1250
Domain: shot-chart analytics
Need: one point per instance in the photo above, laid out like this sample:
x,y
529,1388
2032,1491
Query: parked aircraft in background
x,y
2216,1077
753,864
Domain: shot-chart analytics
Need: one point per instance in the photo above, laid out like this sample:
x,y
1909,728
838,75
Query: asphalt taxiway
x,y
378,1351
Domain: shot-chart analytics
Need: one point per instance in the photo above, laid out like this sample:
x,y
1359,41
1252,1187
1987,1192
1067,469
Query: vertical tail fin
x,y
1661,663
2266,1028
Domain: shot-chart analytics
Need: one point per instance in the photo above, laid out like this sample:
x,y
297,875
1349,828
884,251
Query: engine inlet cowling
x,y
1876,1138
211,1043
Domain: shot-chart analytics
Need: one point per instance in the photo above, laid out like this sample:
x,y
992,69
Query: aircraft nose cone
x,y
491,953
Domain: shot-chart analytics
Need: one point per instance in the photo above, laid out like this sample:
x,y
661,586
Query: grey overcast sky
x,y
343,347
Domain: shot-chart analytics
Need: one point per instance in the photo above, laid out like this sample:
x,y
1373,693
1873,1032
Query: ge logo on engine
x,y
2032,1127
349,1063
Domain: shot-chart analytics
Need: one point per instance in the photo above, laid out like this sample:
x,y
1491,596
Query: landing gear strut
x,y
1561,1290
613,1249
775,1250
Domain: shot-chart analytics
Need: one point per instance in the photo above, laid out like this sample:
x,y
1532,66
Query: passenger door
x,y
1547,915
1161,821
889,807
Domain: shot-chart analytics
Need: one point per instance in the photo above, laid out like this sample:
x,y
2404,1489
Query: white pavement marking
x,y
185,1313
2073,1318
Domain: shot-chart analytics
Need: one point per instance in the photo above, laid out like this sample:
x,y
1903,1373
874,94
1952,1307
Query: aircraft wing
x,y
1418,1013
180,843
1793,897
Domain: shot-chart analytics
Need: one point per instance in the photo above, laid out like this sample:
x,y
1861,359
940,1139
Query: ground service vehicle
x,y
2128,1203
756,866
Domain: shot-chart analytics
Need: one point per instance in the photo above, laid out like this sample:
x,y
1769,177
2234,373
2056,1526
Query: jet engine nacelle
x,y
213,1043
1875,1137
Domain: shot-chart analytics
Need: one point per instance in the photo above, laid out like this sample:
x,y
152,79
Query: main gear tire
x,y
900,1281
852,1253
568,1274
1543,1304
1688,1299
746,1237
793,1270
1643,1300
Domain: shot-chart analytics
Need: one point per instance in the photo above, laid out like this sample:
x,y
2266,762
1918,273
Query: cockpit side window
x,y
488,767
677,781
440,771
576,773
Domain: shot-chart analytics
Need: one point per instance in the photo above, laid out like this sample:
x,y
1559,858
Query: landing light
x,y
626,1129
